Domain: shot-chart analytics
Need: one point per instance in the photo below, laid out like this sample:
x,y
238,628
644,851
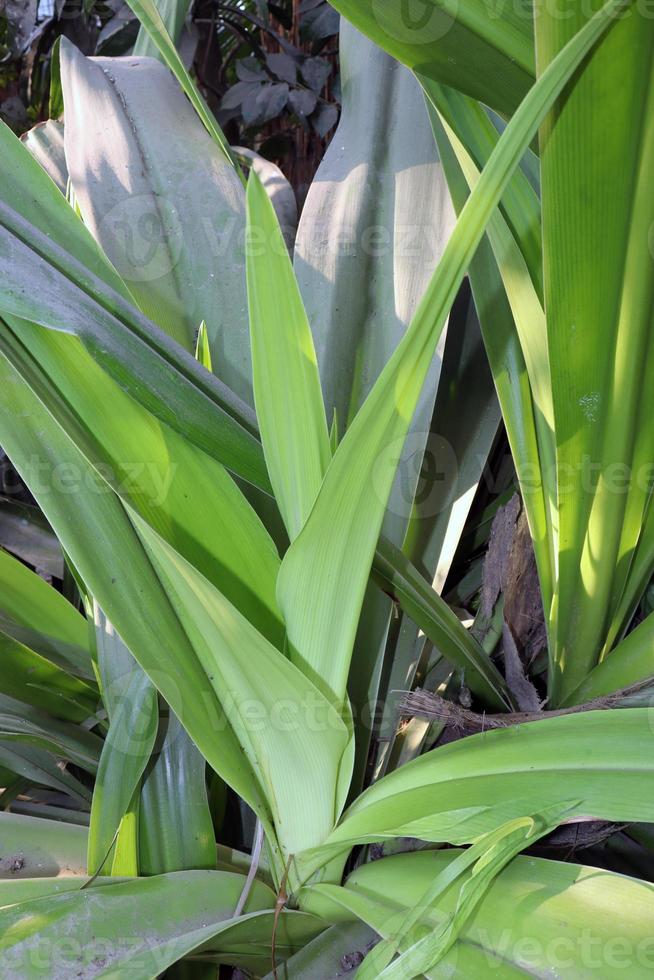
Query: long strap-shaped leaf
x,y
130,699
287,393
324,574
597,152
529,319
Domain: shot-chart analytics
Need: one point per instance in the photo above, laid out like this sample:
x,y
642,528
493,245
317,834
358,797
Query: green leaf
x,y
487,54
35,614
175,827
54,273
472,786
34,848
294,739
100,538
629,663
538,917
131,702
173,14
113,929
168,210
287,392
395,573
596,149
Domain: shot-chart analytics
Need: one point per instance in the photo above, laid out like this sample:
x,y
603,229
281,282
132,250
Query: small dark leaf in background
x,y
273,99
265,104
315,72
250,70
238,93
283,66
319,23
302,102
250,108
324,119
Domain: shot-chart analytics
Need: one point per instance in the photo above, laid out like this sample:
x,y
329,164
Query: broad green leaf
x,y
287,393
596,149
118,929
538,918
161,200
34,848
487,53
324,574
54,273
473,785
